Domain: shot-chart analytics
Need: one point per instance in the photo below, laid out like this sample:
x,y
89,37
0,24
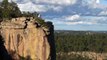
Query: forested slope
x,y
79,41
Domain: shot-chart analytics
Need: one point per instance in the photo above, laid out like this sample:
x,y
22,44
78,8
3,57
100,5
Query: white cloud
x,y
43,5
57,8
97,1
55,2
88,2
38,7
73,17
32,7
83,7
80,22
93,4
103,13
59,2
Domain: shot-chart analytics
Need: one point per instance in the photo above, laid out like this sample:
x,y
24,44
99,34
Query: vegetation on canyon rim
x,y
9,10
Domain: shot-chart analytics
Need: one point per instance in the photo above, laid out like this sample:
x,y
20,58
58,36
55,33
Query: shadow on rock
x,y
3,52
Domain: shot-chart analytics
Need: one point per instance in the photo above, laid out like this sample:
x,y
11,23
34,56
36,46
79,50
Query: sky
x,y
70,14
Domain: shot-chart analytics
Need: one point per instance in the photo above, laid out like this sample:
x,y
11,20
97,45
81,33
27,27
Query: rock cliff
x,y
25,39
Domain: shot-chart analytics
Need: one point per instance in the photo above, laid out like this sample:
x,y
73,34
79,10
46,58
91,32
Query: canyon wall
x,y
26,39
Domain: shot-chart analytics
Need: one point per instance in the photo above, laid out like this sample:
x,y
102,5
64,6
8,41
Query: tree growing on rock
x,y
9,10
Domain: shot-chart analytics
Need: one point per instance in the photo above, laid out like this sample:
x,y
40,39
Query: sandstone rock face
x,y
90,55
23,39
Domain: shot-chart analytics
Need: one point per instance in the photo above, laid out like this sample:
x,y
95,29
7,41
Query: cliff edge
x,y
24,38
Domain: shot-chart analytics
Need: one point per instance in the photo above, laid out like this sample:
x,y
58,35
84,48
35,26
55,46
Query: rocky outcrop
x,y
25,39
90,55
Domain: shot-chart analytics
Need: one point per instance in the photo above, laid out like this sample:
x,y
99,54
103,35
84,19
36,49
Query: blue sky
x,y
70,14
104,2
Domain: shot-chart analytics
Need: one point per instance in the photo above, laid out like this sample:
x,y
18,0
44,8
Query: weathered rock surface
x,y
23,39
90,55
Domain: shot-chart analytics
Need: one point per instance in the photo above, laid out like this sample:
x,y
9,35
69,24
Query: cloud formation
x,y
79,20
56,2
32,7
67,7
68,12
71,18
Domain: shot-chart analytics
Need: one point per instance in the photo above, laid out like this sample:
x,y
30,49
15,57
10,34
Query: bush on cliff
x,y
9,10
